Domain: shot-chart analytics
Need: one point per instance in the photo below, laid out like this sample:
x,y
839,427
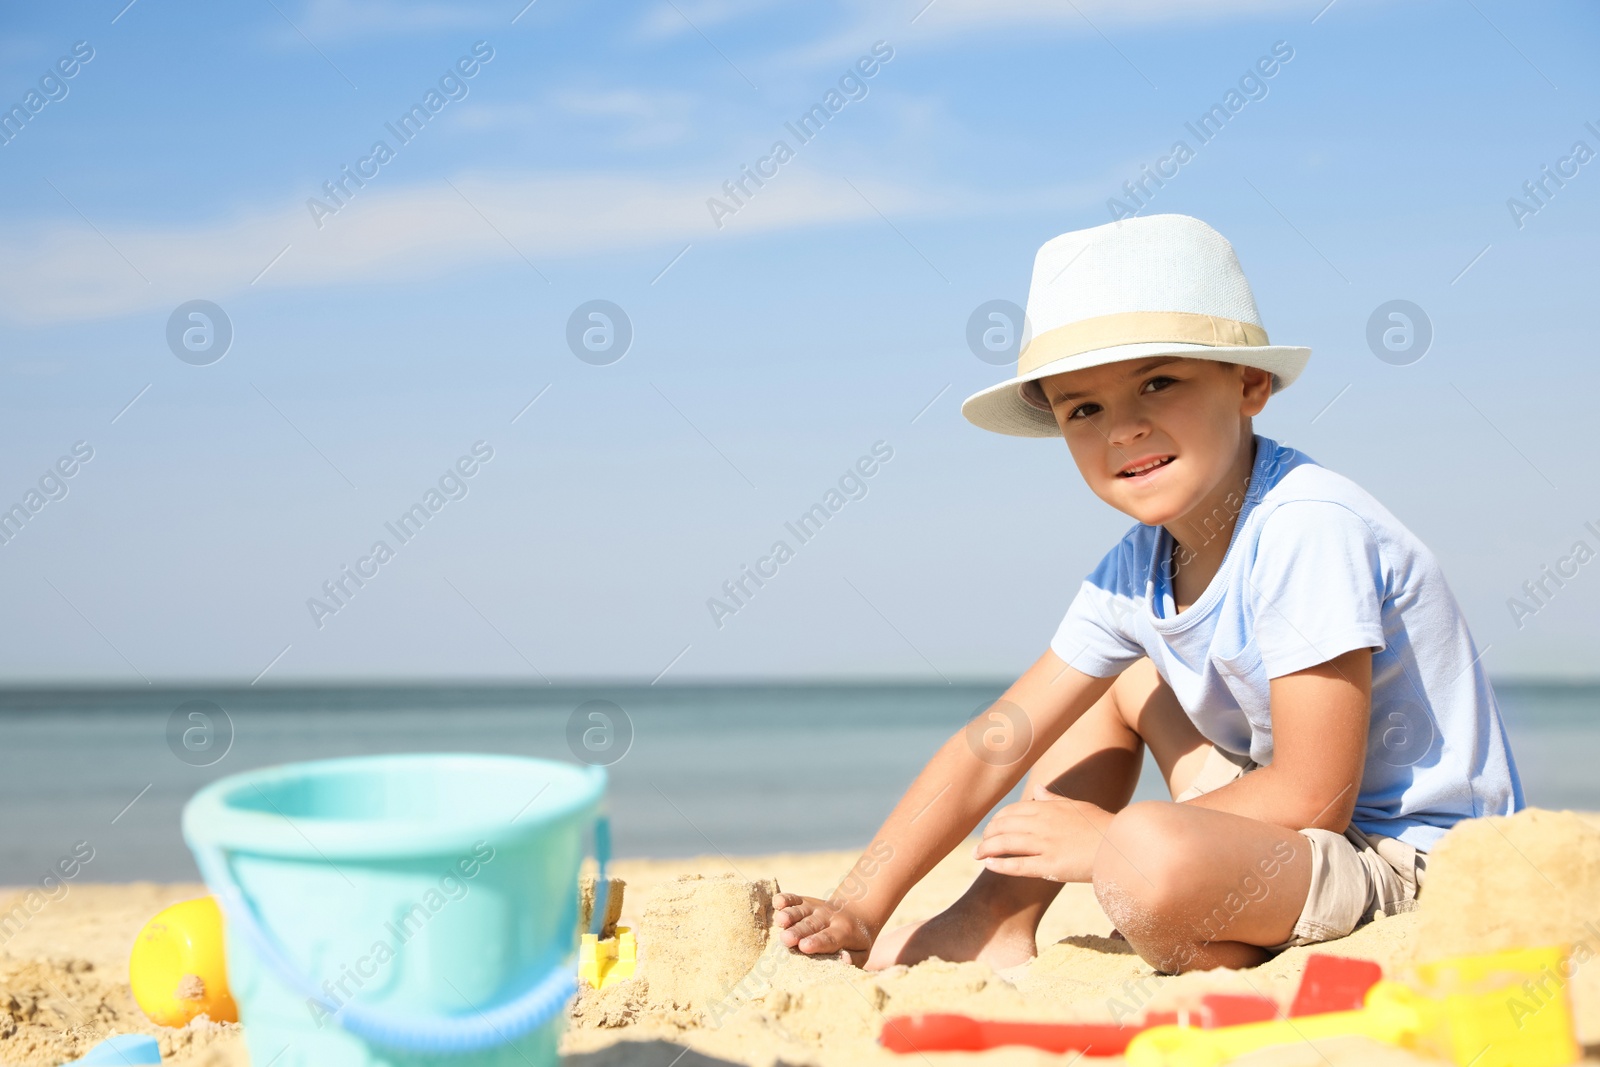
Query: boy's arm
x,y
950,796
1320,719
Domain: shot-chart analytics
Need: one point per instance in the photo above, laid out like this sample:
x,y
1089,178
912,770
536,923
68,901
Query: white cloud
x,y
323,20
685,16
71,271
954,14
650,119
67,270
631,118
626,102
954,21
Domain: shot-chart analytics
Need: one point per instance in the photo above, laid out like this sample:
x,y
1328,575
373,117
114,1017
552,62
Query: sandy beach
x,y
1493,883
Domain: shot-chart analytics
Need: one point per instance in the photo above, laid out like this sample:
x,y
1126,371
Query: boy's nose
x,y
1126,430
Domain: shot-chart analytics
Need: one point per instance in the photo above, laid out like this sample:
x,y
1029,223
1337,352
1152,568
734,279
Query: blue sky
x,y
769,353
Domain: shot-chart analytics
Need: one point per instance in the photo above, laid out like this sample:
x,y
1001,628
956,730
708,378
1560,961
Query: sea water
x,y
695,769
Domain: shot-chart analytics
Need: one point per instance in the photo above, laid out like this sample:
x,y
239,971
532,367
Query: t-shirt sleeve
x,y
1316,586
1096,636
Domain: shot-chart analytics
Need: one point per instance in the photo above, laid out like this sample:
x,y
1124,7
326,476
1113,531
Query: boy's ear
x,y
1257,387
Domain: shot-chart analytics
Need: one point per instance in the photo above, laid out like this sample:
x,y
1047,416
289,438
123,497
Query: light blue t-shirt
x,y
1316,567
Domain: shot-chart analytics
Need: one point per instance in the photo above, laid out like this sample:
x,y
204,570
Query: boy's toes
x,y
800,929
788,909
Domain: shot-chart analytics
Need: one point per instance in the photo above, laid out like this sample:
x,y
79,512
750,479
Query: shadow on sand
x,y
651,1053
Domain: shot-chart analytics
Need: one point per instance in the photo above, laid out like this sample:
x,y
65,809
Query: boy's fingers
x,y
791,936
1019,866
1004,824
998,825
812,923
793,913
1007,844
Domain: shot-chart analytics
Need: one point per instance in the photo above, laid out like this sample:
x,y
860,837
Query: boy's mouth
x,y
1142,468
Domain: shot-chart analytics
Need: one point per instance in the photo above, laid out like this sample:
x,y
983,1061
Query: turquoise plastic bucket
x,y
400,911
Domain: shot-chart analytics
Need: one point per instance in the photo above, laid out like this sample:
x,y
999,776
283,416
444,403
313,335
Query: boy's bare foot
x,y
957,936
819,928
994,922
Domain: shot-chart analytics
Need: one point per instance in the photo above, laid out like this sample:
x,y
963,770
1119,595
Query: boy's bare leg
x,y
1193,888
1097,760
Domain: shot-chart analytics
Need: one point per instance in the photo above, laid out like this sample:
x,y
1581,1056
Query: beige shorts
x,y
1354,876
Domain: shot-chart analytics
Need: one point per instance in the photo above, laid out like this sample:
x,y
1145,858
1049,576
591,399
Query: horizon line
x,y
625,682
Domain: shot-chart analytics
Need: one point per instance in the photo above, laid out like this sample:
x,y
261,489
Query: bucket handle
x,y
439,1035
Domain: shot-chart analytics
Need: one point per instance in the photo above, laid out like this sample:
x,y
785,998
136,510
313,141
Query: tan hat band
x,y
1138,327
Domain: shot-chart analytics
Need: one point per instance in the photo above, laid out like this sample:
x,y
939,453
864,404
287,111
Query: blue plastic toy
x,y
415,910
122,1049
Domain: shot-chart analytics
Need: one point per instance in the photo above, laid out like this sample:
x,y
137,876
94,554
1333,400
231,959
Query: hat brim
x,y
1002,409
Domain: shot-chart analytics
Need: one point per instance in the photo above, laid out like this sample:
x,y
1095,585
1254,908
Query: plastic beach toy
x,y
1503,1009
1474,1011
1216,1010
1384,1019
604,962
123,1049
177,969
961,1033
1328,980
401,911
1334,983
934,1032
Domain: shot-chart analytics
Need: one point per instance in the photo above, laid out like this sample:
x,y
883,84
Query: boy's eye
x,y
1089,409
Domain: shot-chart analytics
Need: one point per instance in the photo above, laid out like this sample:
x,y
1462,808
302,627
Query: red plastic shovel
x,y
962,1033
1330,983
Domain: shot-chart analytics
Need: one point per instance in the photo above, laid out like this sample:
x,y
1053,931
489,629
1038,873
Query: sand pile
x,y
1527,879
713,976
52,1011
706,935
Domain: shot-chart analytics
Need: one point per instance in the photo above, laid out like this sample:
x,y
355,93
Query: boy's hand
x,y
1048,837
817,928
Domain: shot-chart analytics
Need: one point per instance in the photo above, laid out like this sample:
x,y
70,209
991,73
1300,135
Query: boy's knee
x,y
1144,864
1143,874
1150,835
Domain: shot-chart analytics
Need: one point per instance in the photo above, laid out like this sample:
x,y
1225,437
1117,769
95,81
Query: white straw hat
x,y
1142,286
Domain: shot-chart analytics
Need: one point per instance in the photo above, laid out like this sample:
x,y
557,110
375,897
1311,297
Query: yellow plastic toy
x,y
600,963
177,969
1504,1009
1382,1019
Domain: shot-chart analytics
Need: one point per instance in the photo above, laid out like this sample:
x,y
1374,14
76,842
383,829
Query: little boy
x,y
1288,650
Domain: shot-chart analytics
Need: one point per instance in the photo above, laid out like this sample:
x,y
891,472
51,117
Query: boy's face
x,y
1186,413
